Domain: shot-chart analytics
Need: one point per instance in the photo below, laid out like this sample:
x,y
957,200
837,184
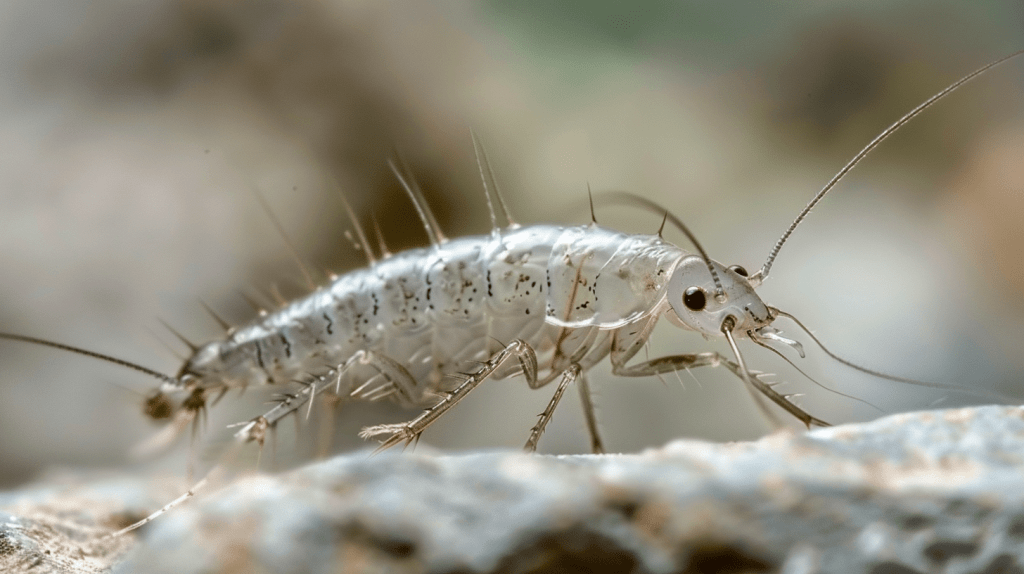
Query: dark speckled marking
x,y
287,346
259,355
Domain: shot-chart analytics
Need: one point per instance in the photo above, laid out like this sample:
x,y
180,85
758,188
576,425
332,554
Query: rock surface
x,y
937,491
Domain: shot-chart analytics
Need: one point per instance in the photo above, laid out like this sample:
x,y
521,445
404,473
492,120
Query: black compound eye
x,y
739,271
695,299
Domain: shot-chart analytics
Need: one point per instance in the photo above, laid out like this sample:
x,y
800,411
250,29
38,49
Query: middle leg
x,y
409,431
573,373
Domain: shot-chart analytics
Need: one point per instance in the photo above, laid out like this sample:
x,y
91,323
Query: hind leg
x,y
396,380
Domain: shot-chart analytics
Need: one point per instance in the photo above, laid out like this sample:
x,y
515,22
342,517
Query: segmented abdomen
x,y
433,309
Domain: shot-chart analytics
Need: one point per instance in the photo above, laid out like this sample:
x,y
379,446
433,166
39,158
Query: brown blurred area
x,y
134,133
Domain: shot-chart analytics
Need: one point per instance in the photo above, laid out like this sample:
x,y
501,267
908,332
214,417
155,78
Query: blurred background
x,y
133,134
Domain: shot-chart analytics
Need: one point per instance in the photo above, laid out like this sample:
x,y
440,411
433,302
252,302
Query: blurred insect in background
x,y
544,301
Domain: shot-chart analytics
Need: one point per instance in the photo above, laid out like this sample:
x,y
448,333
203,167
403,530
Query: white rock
x,y
936,491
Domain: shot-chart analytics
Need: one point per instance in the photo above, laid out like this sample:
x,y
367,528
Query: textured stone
x,y
937,491
59,526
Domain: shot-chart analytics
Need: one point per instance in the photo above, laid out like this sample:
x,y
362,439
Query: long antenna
x,y
894,378
654,207
93,354
763,273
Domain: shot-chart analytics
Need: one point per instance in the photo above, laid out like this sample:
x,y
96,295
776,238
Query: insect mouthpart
x,y
769,334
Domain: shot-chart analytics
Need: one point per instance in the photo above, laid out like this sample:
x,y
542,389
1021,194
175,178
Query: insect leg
x,y
782,400
628,340
598,351
571,353
571,374
596,444
393,372
669,364
409,431
672,363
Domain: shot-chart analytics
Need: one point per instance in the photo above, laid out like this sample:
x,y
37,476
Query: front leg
x,y
668,364
628,340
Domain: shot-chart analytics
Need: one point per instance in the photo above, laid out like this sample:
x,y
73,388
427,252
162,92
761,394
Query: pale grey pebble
x,y
934,491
